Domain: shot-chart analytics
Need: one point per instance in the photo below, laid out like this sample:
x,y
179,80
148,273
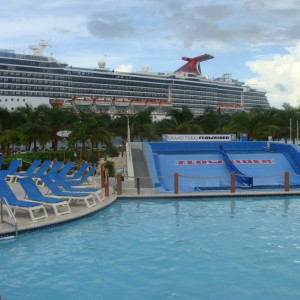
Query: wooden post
x,y
98,154
232,182
20,168
119,183
102,175
176,175
106,189
286,181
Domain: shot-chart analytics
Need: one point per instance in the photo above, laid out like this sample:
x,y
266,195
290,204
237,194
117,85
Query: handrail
x,y
10,213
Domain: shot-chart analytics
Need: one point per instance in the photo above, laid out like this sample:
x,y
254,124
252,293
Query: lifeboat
x,y
166,104
230,106
67,103
152,103
83,101
56,102
122,102
138,102
100,101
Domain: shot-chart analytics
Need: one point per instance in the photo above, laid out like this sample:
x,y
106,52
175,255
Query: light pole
x,y
297,132
128,130
291,130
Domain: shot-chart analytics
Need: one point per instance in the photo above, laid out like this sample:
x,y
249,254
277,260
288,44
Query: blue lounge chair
x,y
55,167
3,174
13,177
54,189
82,180
35,210
13,166
79,172
66,169
33,193
30,170
42,169
62,172
65,184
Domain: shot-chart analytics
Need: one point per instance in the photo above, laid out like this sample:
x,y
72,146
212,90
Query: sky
x,y
257,41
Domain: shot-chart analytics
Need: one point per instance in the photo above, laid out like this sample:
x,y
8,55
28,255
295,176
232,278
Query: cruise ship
x,y
38,79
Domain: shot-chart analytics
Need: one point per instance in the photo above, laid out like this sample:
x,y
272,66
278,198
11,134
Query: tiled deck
x,y
25,224
78,211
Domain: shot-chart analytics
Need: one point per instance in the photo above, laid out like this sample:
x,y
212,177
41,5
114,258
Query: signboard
x,y
220,161
198,137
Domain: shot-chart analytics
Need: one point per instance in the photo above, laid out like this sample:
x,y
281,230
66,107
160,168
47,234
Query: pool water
x,y
247,248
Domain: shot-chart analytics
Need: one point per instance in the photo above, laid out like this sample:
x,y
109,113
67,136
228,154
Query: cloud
x,y
193,24
124,68
279,75
117,27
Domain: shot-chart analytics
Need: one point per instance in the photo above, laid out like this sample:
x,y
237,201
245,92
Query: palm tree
x,y
5,124
55,119
141,125
29,124
92,127
287,118
100,131
212,121
182,122
119,126
257,124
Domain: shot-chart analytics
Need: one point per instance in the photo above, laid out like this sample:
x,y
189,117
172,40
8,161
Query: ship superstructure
x,y
38,79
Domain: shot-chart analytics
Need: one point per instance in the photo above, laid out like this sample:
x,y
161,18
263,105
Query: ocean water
x,y
239,248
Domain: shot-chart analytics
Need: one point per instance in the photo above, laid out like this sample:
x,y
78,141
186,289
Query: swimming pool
x,y
230,248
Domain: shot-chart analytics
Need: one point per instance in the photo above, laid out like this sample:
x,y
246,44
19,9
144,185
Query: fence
x,y
232,188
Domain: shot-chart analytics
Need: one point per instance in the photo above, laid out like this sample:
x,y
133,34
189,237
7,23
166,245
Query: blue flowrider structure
x,y
243,179
207,165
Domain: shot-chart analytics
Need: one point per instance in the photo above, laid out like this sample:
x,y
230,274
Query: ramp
x,y
267,169
196,170
140,168
243,179
202,171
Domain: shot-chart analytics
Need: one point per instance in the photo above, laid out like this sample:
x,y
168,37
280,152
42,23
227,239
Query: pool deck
x,y
80,210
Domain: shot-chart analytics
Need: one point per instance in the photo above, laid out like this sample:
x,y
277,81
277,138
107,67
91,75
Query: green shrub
x,y
112,151
110,166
